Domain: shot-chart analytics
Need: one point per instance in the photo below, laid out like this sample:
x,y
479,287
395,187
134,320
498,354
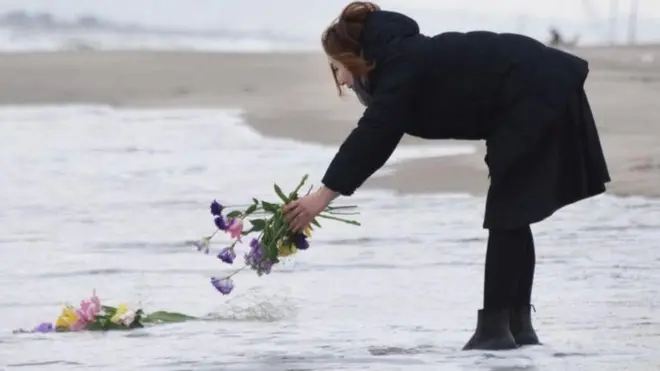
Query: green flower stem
x,y
302,182
340,213
353,222
280,233
237,271
341,207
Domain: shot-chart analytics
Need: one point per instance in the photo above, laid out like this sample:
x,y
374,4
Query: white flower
x,y
127,318
203,244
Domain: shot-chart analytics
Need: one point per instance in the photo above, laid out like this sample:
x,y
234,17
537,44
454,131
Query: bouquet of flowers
x,y
274,239
92,316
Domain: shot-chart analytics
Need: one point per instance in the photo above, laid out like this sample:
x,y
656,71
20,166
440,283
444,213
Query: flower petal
x,y
220,223
216,208
300,241
44,327
227,255
223,285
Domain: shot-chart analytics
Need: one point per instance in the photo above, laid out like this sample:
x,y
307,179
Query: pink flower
x,y
96,302
89,309
235,228
79,325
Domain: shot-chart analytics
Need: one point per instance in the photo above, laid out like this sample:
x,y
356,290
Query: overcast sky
x,y
207,9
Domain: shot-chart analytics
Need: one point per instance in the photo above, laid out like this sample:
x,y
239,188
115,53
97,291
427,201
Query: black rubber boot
x,y
521,326
492,332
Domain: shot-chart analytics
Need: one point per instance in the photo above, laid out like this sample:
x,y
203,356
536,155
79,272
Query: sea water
x,y
99,198
286,25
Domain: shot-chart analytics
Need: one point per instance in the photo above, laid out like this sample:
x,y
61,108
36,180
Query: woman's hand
x,y
300,213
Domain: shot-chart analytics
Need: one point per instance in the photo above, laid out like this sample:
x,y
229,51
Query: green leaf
x,y
270,207
250,209
340,207
104,324
339,219
110,311
256,202
96,326
258,225
280,194
234,214
302,182
316,223
166,317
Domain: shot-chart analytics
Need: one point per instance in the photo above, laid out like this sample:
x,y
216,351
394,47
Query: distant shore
x,y
292,95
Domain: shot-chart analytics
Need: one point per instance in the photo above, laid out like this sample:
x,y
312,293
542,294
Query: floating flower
x,y
224,285
123,316
127,318
89,309
216,208
68,319
220,222
44,327
235,228
91,316
83,320
119,313
227,255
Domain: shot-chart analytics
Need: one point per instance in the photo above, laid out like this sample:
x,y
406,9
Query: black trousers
x,y
509,272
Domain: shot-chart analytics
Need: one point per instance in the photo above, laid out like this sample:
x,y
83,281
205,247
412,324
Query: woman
x,y
526,100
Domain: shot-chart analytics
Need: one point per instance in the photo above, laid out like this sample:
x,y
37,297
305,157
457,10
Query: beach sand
x,y
293,95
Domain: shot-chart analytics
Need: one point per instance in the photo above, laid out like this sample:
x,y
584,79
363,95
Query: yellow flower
x,y
121,310
286,250
308,231
67,319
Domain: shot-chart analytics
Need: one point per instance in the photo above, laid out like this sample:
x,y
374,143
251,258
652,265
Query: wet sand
x,y
292,95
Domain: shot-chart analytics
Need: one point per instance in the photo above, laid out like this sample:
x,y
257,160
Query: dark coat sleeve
x,y
378,132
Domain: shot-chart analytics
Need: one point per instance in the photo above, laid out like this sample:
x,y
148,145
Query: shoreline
x,y
292,95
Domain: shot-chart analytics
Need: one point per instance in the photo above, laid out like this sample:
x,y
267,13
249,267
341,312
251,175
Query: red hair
x,y
341,39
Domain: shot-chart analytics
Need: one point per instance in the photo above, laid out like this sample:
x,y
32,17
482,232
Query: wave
x,y
23,30
24,21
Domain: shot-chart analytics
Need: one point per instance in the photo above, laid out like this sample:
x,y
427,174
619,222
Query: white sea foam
x,y
97,197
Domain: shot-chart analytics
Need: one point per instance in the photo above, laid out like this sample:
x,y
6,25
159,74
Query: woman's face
x,y
344,76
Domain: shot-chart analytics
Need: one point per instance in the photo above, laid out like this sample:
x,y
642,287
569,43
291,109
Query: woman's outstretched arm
x,y
368,147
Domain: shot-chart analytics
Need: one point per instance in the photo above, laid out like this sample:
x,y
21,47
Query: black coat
x,y
524,98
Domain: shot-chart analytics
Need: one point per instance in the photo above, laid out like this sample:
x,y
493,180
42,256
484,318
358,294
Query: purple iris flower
x,y
223,285
216,208
256,260
221,223
300,241
44,327
227,255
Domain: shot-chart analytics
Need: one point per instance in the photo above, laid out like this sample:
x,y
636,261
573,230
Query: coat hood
x,y
381,28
